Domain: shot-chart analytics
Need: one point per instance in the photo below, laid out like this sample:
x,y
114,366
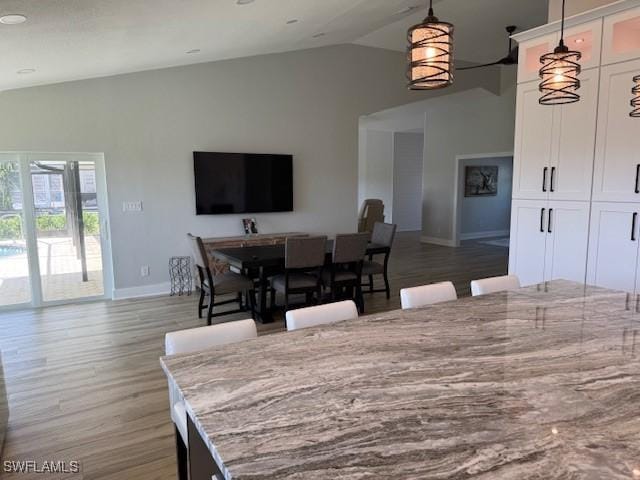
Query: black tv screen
x,y
242,183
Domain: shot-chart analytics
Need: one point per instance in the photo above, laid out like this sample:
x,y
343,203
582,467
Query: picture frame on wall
x,y
250,226
481,181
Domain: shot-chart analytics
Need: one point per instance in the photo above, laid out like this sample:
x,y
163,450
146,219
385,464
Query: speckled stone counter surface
x,y
542,383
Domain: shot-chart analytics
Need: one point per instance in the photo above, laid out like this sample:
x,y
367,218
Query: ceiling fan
x,y
510,59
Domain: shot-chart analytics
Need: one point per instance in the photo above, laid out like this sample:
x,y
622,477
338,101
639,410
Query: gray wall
x,y
482,216
407,181
306,103
468,123
573,8
378,151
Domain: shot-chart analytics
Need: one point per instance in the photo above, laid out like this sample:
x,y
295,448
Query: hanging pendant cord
x,y
431,8
562,24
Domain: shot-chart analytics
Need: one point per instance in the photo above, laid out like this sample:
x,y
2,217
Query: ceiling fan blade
x,y
499,62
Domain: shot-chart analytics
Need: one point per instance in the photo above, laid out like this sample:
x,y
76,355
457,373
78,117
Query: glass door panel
x,y
67,227
15,287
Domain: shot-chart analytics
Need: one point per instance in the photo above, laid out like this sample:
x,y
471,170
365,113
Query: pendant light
x,y
430,54
635,101
559,73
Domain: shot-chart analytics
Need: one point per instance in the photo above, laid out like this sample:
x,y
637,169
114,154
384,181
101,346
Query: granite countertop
x,y
542,383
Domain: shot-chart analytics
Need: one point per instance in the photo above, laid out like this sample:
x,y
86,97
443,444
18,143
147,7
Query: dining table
x,y
537,383
263,261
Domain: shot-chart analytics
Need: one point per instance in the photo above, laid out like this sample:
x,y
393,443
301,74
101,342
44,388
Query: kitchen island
x,y
539,383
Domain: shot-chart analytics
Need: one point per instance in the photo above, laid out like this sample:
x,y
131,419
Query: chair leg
x,y
360,299
210,309
181,457
286,302
239,297
319,294
371,283
386,285
252,302
201,303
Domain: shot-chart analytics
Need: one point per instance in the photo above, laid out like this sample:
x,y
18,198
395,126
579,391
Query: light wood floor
x,y
85,384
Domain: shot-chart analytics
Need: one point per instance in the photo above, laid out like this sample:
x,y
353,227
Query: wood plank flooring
x,y
85,384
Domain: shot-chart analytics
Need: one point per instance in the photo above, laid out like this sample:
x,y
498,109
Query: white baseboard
x,y
489,234
142,291
444,242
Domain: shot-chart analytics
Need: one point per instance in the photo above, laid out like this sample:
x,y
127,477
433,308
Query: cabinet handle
x,y
549,223
634,220
544,178
542,220
552,183
637,190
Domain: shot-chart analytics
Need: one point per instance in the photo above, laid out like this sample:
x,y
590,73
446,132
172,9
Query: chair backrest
x,y
198,250
321,314
383,234
305,252
494,284
203,338
350,247
416,297
371,211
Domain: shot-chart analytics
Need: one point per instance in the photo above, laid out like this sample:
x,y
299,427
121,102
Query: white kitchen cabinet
x,y
567,240
613,245
554,145
530,53
574,130
617,159
532,147
528,240
621,37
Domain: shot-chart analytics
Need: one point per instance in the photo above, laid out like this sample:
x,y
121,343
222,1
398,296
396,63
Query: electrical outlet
x,y
132,206
144,271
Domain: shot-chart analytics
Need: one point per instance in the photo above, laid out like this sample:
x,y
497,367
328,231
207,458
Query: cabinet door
x,y
528,237
621,37
530,53
617,161
574,138
586,38
568,230
613,246
532,149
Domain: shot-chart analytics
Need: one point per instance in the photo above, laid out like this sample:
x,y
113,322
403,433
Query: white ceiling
x,y
74,39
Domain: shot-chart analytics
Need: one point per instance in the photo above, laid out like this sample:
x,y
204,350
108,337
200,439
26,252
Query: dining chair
x,y
494,284
195,340
382,236
416,297
321,314
303,261
345,271
222,284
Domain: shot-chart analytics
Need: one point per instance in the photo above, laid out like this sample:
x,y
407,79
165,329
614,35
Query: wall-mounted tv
x,y
242,183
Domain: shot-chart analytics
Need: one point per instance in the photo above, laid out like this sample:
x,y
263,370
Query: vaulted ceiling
x,y
74,39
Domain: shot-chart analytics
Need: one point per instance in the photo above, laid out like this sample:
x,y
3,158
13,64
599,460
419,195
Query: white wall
x,y
468,123
573,7
377,172
407,180
487,216
306,103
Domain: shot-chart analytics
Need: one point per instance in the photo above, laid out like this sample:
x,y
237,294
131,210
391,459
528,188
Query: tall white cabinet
x,y
576,182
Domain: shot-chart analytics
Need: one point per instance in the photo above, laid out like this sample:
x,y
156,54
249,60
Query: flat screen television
x,y
242,183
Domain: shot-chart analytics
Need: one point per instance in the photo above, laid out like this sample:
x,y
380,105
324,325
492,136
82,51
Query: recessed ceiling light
x,y
292,21
26,71
318,35
195,50
13,19
579,40
244,2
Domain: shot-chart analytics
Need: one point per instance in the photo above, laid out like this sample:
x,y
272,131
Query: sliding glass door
x,y
15,286
65,249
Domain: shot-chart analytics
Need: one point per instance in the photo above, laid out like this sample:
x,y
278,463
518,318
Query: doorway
x,y
54,239
483,199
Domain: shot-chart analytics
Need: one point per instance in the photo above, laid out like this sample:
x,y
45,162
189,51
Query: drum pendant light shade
x,y
559,73
635,101
430,54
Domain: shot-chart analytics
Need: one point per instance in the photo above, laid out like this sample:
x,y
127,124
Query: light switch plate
x,y
132,206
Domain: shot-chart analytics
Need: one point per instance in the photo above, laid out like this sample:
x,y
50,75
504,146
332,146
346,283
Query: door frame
x,y
24,158
458,192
